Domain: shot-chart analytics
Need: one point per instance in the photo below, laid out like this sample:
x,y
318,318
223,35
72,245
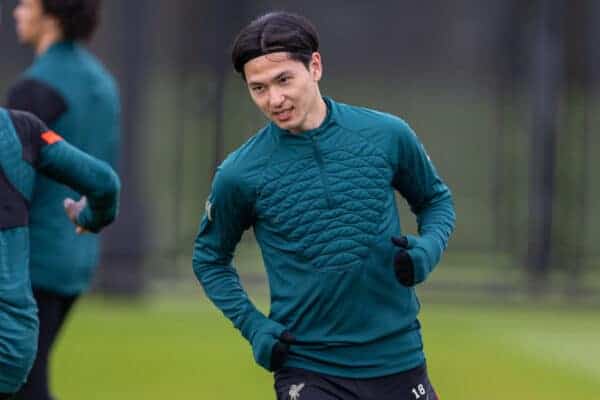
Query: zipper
x,y
322,174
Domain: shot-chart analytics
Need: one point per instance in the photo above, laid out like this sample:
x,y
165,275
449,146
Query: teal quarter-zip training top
x,y
71,91
26,148
323,210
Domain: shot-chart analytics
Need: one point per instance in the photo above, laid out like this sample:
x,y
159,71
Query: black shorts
x,y
299,384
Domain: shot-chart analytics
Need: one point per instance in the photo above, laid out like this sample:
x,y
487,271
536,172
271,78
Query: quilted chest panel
x,y
19,172
16,178
330,200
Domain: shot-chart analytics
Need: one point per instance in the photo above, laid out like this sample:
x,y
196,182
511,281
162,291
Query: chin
x,y
289,126
282,125
22,39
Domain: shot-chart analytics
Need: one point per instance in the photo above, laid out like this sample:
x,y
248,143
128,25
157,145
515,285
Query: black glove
x,y
403,264
280,350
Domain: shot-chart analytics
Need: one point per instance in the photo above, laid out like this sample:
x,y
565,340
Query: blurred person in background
x,y
71,91
28,147
317,185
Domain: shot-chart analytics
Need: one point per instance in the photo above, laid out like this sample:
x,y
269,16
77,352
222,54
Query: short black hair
x,y
78,19
274,32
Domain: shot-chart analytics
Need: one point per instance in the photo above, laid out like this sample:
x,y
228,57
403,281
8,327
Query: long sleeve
x,y
55,158
228,214
429,198
86,175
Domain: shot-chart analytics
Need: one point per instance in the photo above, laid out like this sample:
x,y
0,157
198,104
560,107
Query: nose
x,y
276,98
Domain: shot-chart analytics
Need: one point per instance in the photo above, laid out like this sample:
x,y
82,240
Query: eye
x,y
257,89
284,79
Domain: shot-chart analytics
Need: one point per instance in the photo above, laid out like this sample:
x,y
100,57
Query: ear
x,y
51,24
316,66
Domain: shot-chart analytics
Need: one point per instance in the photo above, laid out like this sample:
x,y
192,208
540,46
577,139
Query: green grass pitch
x,y
184,349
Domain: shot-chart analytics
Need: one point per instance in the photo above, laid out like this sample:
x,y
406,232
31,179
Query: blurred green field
x,y
185,349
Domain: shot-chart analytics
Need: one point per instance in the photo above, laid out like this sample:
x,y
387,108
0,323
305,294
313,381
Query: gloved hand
x,y
411,264
280,350
270,345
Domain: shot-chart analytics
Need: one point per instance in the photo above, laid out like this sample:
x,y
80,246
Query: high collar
x,y
329,120
61,45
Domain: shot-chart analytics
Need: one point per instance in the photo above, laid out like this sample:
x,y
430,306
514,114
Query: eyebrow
x,y
274,79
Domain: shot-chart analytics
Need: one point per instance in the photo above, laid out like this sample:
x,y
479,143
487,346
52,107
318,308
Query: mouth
x,y
283,115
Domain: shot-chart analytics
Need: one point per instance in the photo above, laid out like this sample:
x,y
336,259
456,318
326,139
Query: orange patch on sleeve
x,y
51,137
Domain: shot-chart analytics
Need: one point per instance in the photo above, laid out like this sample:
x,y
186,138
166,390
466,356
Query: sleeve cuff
x,y
421,263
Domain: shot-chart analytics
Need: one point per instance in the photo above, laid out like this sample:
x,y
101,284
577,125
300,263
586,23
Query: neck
x,y
316,117
47,40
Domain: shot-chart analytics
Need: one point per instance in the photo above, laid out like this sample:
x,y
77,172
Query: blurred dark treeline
x,y
502,93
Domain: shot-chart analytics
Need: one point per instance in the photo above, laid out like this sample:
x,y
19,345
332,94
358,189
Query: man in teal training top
x,y
69,89
317,186
28,147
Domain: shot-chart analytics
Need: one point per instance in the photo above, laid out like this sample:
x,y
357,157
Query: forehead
x,y
269,66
